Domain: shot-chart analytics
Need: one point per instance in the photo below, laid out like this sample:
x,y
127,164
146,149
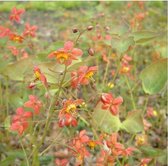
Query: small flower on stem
x,y
30,30
16,38
13,50
40,76
83,75
34,103
111,103
145,161
19,121
66,54
4,31
67,115
16,14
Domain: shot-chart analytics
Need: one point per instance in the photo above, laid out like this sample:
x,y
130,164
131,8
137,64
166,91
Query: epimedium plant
x,y
81,94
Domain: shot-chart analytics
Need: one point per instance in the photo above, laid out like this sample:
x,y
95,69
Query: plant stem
x,y
51,111
132,97
27,161
51,105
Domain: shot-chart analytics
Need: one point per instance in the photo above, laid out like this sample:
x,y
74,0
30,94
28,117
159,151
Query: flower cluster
x,y
16,39
79,150
112,149
20,120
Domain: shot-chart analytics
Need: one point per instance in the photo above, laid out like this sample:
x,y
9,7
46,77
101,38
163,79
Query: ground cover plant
x,y
83,83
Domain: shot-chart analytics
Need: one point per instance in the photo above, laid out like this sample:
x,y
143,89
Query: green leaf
x,y
8,161
46,159
23,69
7,122
144,36
122,44
133,123
17,70
154,77
104,120
16,100
12,155
149,151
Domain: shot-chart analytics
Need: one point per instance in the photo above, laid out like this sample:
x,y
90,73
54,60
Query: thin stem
x,y
105,74
1,98
7,96
117,70
145,105
53,142
27,161
51,105
80,34
132,97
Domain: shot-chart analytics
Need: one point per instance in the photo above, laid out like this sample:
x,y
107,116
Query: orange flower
x,y
111,103
40,76
15,14
13,50
16,38
33,103
82,76
30,30
67,115
19,121
67,54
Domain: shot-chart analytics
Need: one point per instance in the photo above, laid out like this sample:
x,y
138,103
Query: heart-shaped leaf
x,y
104,120
154,77
133,122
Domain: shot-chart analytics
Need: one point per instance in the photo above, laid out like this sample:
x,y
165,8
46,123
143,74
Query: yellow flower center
x,y
71,108
125,69
89,74
62,56
92,144
155,113
110,85
37,75
113,55
17,38
140,140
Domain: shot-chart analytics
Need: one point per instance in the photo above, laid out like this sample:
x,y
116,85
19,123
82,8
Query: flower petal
x,y
68,45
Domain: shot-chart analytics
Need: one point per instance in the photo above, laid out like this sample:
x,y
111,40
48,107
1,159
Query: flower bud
x,y
31,85
91,51
89,28
74,30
